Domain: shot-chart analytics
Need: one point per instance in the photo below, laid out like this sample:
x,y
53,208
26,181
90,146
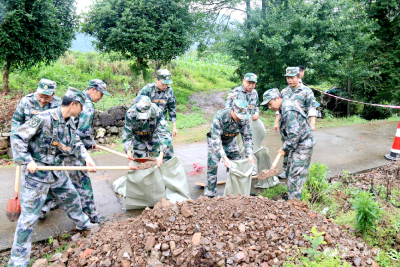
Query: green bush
x,y
368,212
275,191
316,185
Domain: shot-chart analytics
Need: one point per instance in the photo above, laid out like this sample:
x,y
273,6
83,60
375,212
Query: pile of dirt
x,y
224,231
150,163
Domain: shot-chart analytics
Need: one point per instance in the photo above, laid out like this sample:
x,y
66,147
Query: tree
x,y
144,29
34,31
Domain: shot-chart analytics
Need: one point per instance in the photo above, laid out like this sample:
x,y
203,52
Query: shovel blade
x,y
13,209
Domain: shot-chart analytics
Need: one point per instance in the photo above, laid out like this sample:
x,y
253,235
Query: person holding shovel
x,y
298,142
80,179
146,132
46,140
221,139
300,94
161,94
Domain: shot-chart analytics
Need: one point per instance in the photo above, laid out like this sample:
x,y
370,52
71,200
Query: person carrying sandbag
x,y
221,139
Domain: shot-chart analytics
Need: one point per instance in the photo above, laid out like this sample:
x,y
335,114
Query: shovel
x,y
84,168
13,209
120,154
265,174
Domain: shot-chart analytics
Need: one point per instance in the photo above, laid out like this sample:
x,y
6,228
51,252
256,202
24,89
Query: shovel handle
x,y
83,168
276,160
112,151
17,175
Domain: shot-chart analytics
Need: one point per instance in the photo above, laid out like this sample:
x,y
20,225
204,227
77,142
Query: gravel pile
x,y
224,231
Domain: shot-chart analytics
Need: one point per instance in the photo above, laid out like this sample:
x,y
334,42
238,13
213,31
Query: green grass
x,y
275,191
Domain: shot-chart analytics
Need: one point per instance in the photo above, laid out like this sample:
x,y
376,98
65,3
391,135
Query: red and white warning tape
x,y
354,101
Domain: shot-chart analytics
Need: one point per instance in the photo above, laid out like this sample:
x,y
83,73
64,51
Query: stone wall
x,y
5,144
109,124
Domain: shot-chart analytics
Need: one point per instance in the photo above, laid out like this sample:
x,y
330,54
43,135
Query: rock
x,y
186,211
150,242
118,112
357,261
271,216
3,152
196,238
56,257
328,239
204,241
220,245
6,134
221,263
374,264
125,252
100,133
101,140
106,263
264,264
164,246
106,119
172,219
126,255
154,263
40,263
10,154
46,249
172,245
86,253
152,228
4,144
239,257
162,204
125,263
242,228
196,228
178,251
120,123
114,130
57,264
56,244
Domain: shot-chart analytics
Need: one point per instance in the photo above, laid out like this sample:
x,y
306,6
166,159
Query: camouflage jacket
x,y
29,106
224,127
85,123
155,129
303,96
47,138
294,127
240,93
164,99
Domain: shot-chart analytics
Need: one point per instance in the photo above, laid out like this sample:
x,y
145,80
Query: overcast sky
x,y
82,5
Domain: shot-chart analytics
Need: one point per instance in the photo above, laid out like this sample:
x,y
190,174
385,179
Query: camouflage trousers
x,y
33,195
149,148
83,184
231,149
298,162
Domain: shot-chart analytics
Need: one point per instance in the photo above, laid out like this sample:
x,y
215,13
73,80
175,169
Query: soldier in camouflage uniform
x,y
45,140
146,131
163,96
298,141
43,99
226,125
80,179
303,96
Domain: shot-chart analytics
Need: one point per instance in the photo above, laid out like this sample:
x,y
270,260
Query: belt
x,y
63,147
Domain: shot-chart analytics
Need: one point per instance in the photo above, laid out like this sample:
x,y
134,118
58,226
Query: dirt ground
x,y
209,103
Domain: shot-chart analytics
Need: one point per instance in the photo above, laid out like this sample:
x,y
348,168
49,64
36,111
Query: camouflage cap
x,y
251,77
46,87
143,104
99,85
292,71
76,95
240,109
269,95
164,76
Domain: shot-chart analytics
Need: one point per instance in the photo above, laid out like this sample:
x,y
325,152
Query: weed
x,y
315,240
65,236
316,185
275,191
51,240
367,210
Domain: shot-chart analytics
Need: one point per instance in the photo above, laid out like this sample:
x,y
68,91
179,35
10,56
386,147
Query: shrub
x,y
316,184
367,210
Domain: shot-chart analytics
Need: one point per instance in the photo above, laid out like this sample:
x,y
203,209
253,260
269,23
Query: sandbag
x,y
239,178
144,188
258,133
119,186
264,163
174,177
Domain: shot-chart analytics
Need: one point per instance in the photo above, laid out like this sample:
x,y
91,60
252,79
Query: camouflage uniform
x,y
29,106
304,98
222,142
46,139
165,100
146,131
298,142
240,93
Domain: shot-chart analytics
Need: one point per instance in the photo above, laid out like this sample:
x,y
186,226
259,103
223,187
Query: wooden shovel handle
x,y
83,168
111,151
17,175
276,160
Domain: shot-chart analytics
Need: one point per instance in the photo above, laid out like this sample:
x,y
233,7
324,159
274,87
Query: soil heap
x,y
223,231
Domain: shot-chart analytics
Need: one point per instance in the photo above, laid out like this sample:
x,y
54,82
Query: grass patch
x,y
274,192
189,120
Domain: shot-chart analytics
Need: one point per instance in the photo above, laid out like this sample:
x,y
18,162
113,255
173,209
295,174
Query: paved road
x,y
353,148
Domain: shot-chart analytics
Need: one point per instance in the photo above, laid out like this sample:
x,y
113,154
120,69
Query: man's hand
x,y
280,151
90,163
312,123
159,159
130,155
250,158
175,131
227,162
255,117
276,127
32,167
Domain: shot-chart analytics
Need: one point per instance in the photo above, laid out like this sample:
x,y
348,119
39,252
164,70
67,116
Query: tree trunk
x,y
264,9
6,89
248,9
348,89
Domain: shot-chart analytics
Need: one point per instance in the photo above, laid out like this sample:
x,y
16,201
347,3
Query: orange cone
x,y
395,152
